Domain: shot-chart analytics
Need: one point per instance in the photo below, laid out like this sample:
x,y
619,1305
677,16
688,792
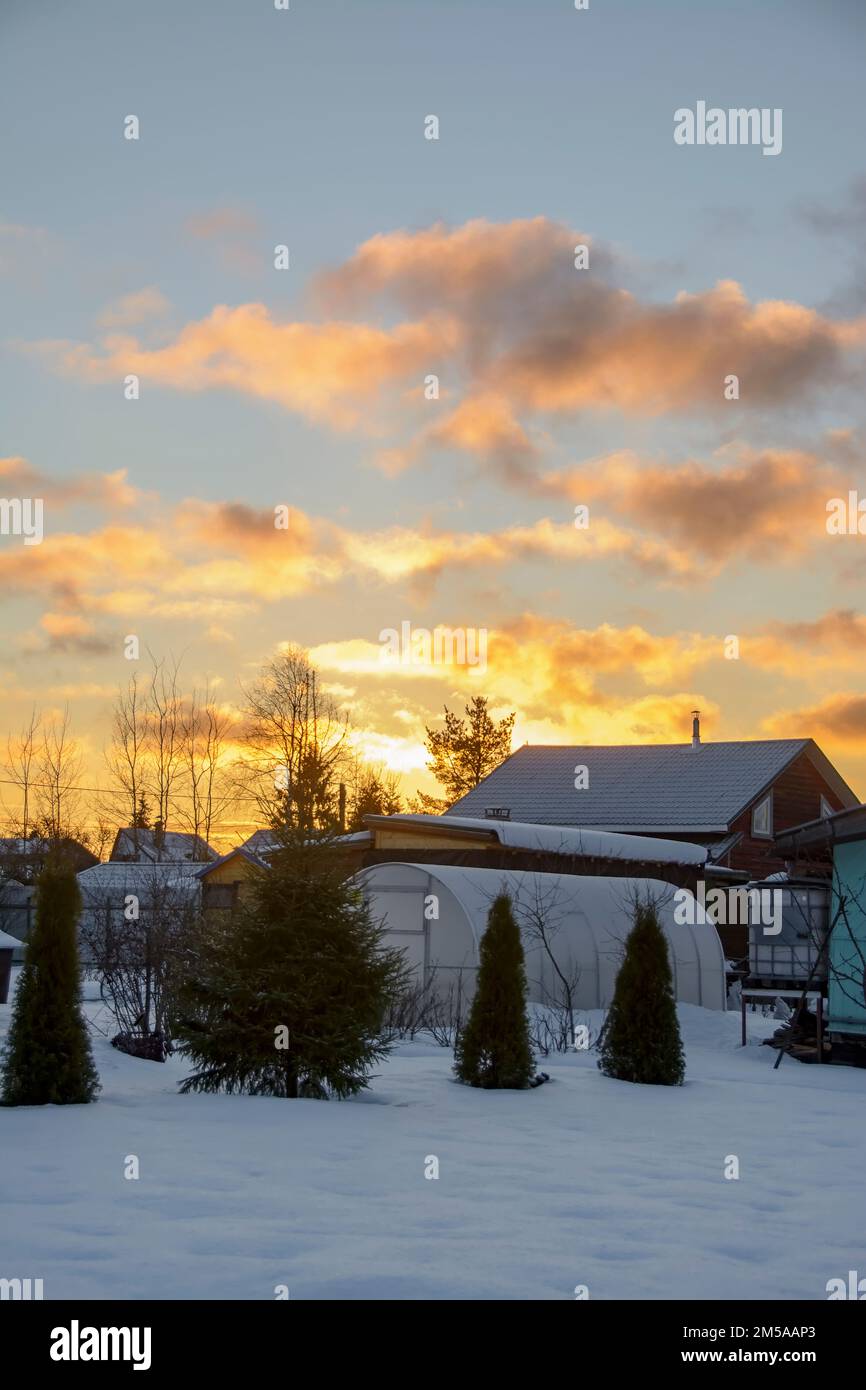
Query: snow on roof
x,y
563,839
268,841
174,847
117,877
8,943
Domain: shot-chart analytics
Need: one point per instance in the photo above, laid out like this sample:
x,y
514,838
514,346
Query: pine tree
x,y
467,750
288,999
640,1040
493,1050
47,1059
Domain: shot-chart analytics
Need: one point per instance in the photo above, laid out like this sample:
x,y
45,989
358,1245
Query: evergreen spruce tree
x,y
640,1040
288,999
47,1058
493,1050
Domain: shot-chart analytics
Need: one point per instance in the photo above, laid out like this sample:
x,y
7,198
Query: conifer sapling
x,y
47,1058
493,1050
640,1040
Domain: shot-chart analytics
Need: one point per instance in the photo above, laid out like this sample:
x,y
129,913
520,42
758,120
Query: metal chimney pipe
x,y
696,728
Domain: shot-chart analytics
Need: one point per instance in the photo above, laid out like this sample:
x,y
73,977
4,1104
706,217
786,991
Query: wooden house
x,y
223,882
731,797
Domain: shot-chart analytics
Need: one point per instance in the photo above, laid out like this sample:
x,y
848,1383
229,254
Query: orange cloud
x,y
555,338
330,371
766,505
109,490
839,721
520,330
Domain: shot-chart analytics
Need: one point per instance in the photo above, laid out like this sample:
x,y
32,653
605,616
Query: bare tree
x,y
58,772
296,745
132,944
20,765
164,738
426,1006
540,916
126,760
204,735
846,964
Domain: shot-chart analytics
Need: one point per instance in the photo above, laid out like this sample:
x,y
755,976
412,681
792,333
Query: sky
x,y
409,258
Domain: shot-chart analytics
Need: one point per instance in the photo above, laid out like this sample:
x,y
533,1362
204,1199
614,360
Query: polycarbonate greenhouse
x,y
438,913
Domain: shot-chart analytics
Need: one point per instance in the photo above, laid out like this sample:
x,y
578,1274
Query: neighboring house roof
x,y
260,842
555,839
8,943
174,847
13,845
672,788
246,854
263,842
117,878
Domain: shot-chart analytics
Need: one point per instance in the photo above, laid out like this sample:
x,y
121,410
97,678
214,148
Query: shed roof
x,y
555,839
669,787
239,851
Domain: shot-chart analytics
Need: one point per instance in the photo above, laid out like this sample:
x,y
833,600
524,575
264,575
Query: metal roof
x,y
117,876
655,788
174,847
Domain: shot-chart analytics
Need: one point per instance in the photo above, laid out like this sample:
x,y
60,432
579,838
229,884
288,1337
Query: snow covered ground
x,y
584,1181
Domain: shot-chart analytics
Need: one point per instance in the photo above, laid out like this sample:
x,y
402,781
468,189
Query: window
x,y
762,818
219,895
826,808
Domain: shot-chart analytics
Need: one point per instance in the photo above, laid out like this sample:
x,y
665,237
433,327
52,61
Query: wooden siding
x,y
796,798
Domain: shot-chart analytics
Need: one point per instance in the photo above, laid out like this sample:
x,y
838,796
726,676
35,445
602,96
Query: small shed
x,y
438,914
838,843
8,945
224,882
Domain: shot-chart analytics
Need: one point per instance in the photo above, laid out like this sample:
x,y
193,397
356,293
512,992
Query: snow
x,y
565,839
582,1181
